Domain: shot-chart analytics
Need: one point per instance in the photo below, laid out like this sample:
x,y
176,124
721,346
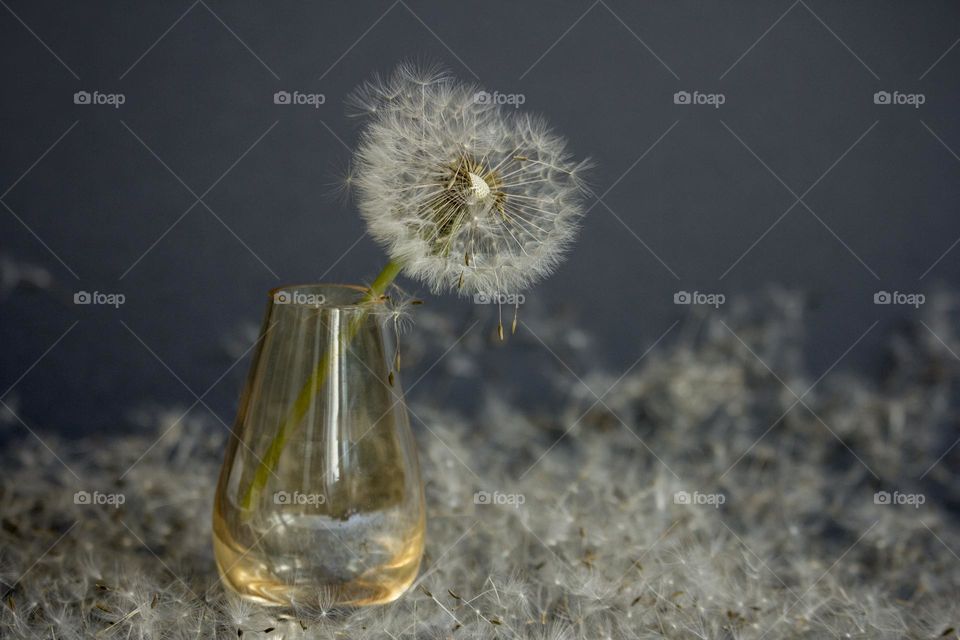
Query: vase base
x,y
251,576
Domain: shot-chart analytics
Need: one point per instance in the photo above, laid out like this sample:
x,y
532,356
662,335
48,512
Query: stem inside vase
x,y
310,389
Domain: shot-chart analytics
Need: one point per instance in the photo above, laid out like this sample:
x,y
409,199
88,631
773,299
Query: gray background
x,y
693,198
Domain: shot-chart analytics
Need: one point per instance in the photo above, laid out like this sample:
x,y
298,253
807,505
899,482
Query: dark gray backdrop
x,y
798,179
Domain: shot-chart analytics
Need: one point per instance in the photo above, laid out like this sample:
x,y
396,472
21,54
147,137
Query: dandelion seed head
x,y
464,194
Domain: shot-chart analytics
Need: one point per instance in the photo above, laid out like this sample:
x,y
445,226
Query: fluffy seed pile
x,y
697,499
463,194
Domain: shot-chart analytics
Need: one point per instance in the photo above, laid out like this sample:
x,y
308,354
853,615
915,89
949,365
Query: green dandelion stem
x,y
310,389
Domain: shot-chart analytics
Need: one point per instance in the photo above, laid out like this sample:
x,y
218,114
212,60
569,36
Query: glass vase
x,y
320,496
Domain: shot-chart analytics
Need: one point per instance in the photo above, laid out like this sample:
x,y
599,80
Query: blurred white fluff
x,y
14,274
461,193
599,548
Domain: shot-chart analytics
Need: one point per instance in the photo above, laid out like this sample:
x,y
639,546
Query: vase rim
x,y
338,296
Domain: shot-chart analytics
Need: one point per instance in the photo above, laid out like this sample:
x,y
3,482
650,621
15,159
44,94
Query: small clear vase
x,y
320,496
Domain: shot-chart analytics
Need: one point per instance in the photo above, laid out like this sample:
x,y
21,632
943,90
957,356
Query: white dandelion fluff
x,y
462,194
616,558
